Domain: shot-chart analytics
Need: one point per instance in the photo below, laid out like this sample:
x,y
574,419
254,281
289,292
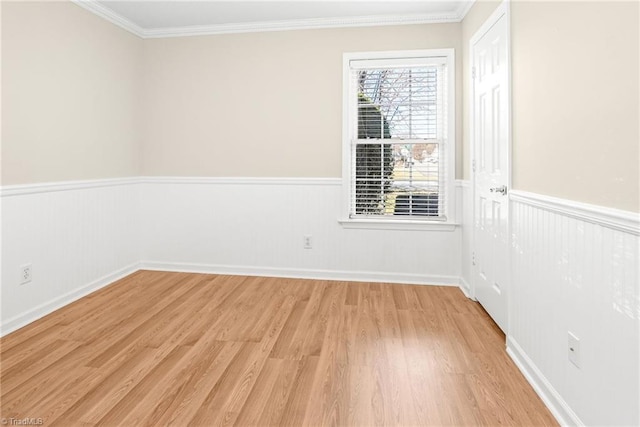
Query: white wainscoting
x,y
78,236
575,268
256,227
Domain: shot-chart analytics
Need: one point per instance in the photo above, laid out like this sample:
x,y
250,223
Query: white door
x,y
491,168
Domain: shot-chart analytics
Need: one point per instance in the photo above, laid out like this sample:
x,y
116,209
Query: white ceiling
x,y
152,18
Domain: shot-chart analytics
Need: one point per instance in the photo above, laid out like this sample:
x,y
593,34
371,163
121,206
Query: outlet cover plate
x,y
25,273
573,349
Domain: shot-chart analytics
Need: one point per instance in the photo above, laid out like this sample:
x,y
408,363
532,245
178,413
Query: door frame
x,y
503,10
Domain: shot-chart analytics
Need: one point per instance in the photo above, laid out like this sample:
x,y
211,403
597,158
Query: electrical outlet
x,y
25,274
573,349
308,242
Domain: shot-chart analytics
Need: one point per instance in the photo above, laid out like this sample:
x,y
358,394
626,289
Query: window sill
x,y
372,224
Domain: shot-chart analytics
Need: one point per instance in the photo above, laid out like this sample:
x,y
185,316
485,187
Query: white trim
x,y
502,9
466,289
48,187
464,8
396,54
397,224
42,310
463,183
303,273
549,395
104,12
239,180
301,24
616,219
293,24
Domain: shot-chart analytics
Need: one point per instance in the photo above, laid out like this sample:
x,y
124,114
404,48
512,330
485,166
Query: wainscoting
x,y
256,227
78,237
575,268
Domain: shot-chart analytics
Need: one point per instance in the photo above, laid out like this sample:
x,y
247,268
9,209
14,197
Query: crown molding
x,y
301,24
464,8
108,14
294,24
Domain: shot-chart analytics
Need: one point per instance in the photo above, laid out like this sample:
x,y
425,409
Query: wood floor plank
x,y
83,397
98,321
276,402
295,408
258,398
299,344
159,349
147,322
38,361
137,395
179,402
34,390
16,355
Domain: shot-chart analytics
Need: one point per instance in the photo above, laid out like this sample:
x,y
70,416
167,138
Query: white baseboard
x,y
298,273
466,289
551,398
42,310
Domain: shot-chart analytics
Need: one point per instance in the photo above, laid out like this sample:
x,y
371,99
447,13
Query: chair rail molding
x,y
607,217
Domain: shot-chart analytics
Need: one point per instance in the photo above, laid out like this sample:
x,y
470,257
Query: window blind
x,y
398,147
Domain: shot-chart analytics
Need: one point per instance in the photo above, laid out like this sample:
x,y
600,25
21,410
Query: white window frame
x,y
348,103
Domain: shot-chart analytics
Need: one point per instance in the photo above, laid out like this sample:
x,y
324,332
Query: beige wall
x,y
70,90
575,99
84,99
256,104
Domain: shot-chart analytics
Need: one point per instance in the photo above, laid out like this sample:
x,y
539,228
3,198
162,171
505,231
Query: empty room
x,y
313,213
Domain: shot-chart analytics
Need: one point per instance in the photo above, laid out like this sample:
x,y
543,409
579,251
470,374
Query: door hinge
x,y
473,258
473,73
473,165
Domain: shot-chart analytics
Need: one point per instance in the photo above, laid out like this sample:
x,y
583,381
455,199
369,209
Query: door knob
x,y
502,189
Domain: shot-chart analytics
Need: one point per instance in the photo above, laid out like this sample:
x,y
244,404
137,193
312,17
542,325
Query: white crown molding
x,y
294,24
617,219
464,8
301,24
48,187
108,14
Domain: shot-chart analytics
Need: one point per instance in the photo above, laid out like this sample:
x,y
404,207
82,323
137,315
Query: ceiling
x,y
152,18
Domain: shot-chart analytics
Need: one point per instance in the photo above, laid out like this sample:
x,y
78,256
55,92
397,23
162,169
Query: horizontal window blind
x,y
398,148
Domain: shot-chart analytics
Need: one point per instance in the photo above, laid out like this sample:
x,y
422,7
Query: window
x,y
398,138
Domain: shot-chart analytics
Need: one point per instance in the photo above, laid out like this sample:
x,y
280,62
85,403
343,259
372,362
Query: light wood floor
x,y
192,349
